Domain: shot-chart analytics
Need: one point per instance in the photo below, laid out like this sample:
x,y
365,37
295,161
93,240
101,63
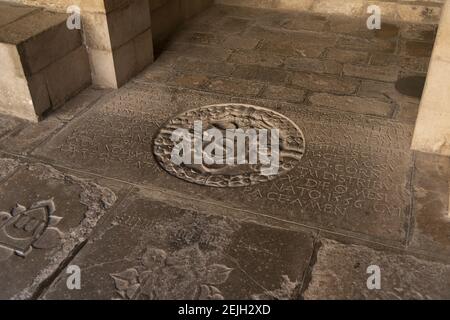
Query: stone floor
x,y
359,197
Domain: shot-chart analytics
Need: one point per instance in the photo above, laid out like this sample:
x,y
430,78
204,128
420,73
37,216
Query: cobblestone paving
x,y
83,188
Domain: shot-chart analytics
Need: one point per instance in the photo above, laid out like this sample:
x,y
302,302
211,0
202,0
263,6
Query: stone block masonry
x,y
37,58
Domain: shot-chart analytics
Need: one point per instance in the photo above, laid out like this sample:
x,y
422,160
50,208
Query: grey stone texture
x,y
358,197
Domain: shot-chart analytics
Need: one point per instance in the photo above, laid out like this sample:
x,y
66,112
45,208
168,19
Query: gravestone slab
x,y
354,176
44,216
340,272
150,249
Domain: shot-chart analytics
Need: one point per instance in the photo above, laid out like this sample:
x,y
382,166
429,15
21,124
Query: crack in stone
x,y
97,200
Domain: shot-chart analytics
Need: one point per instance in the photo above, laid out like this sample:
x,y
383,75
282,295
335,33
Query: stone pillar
x,y
117,34
432,133
119,39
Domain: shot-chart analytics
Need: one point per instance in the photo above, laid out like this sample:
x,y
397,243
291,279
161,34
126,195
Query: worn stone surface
x,y
352,103
397,10
25,138
326,83
45,215
366,170
431,185
388,74
358,182
340,273
150,249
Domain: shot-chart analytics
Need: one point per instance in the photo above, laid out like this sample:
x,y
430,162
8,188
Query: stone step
x,y
415,11
43,63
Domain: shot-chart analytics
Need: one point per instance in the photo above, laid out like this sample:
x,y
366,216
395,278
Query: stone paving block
x,y
367,45
384,59
352,104
388,74
303,38
7,167
199,38
340,272
342,24
419,13
419,32
8,124
234,86
261,74
346,7
313,65
407,112
29,136
358,28
234,24
415,64
431,209
416,48
78,104
156,74
284,94
347,56
257,58
291,49
354,177
295,21
45,215
186,80
152,249
326,83
206,52
238,42
384,91
191,65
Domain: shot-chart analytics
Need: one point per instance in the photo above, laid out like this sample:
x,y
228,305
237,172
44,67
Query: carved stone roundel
x,y
224,117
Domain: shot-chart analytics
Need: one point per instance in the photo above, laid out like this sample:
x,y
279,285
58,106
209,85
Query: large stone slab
x,y
430,232
354,177
45,216
340,272
159,247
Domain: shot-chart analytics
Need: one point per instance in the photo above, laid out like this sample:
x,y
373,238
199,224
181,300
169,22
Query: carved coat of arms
x,y
23,229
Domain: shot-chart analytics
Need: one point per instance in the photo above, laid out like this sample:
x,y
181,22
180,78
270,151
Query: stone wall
x,y
168,15
410,11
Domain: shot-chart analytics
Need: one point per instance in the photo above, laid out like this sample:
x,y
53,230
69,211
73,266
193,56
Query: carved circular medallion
x,y
218,126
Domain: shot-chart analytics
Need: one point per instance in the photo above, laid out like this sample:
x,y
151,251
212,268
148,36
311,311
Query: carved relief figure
x,y
183,274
